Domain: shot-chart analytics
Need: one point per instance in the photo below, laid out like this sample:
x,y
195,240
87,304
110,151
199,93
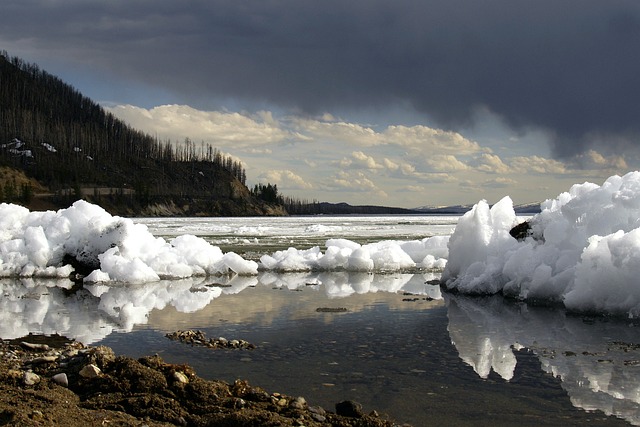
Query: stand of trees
x,y
11,192
268,193
64,139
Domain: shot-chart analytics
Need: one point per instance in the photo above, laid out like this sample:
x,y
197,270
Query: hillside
x,y
57,145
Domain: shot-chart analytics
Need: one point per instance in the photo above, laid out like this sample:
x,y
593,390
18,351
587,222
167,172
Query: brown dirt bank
x,y
69,384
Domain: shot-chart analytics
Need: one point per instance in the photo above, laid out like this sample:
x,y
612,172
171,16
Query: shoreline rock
x,y
199,338
68,383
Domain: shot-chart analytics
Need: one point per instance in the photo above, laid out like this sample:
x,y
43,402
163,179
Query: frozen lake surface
x,y
393,342
260,235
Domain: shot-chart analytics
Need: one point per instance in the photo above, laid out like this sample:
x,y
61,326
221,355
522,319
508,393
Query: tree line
x,y
11,192
60,137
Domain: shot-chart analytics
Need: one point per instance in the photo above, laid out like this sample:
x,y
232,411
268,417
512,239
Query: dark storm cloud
x,y
570,67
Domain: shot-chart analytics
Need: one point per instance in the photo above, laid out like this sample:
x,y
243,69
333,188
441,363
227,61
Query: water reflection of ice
x,y
598,360
97,310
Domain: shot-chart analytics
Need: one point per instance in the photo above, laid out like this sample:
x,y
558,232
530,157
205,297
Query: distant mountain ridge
x,y
325,208
528,208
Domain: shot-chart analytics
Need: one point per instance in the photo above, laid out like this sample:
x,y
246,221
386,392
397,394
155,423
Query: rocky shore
x,y
47,381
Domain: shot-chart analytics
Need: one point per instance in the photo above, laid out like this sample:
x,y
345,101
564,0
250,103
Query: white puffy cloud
x,y
355,182
537,164
407,169
222,129
590,160
359,160
492,163
286,179
421,138
366,161
429,140
348,133
593,160
390,164
446,163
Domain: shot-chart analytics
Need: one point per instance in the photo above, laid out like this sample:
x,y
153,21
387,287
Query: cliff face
x,y
200,208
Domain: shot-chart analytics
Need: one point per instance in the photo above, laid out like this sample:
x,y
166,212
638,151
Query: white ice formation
x,y
583,251
35,244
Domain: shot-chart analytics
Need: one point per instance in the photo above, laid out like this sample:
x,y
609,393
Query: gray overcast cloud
x,y
568,67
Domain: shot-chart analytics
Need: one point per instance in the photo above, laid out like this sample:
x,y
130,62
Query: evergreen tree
x,y
10,190
26,193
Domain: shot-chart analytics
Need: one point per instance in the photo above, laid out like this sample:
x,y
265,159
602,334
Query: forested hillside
x,y
73,147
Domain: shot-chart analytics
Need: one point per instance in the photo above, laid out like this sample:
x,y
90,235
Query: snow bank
x,y
36,244
343,254
583,251
39,244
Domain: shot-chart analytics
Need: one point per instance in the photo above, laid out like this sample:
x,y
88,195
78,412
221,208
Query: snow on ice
x,y
583,251
35,244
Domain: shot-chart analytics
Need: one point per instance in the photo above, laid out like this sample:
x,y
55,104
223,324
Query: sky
x,y
398,103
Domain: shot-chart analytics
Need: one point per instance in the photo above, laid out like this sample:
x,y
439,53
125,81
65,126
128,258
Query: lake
x,y
392,341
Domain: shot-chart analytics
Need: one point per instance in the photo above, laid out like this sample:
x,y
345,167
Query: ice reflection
x,y
598,360
92,313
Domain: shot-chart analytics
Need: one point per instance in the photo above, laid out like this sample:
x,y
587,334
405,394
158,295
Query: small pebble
x,y
30,378
180,377
298,403
90,371
31,346
44,359
70,353
319,418
317,410
61,379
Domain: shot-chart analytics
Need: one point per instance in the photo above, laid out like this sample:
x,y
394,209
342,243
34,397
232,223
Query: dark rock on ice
x,y
521,231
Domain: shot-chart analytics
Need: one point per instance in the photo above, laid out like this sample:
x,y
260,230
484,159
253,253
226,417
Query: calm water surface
x,y
400,346
455,361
